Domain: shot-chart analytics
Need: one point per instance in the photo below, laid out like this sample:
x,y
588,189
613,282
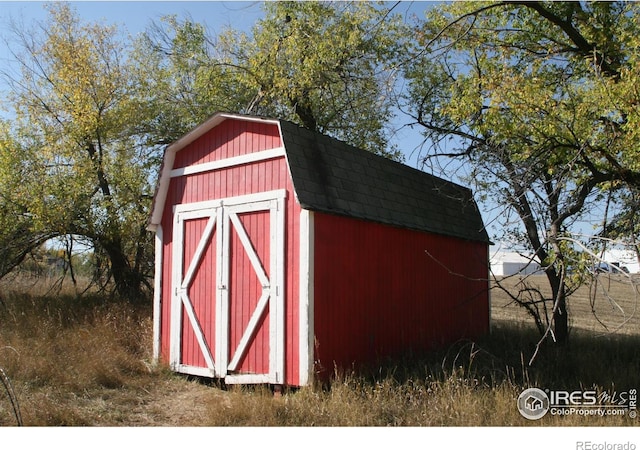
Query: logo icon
x,y
533,403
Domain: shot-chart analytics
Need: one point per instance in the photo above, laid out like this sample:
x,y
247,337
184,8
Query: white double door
x,y
227,306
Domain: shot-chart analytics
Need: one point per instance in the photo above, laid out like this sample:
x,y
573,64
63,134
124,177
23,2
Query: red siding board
x,y
379,293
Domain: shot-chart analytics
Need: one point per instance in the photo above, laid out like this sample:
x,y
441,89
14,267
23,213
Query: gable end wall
x,y
234,181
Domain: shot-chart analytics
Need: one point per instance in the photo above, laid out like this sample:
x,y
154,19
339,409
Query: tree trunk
x,y
128,281
560,316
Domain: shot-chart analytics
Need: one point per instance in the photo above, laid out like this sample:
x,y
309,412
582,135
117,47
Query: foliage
x,y
286,68
19,236
92,117
337,86
178,61
83,166
542,100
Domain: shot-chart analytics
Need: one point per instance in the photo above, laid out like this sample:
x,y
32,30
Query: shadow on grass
x,y
585,361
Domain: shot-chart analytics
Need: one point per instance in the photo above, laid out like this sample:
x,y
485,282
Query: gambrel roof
x,y
333,177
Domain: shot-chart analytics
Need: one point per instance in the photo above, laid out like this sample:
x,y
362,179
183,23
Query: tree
x,y
326,66
189,75
92,118
87,169
542,101
18,236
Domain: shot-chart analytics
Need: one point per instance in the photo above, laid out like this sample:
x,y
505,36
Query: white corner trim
x,y
229,162
157,293
306,332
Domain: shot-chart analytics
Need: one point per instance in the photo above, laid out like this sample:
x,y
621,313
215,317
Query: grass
x,y
87,362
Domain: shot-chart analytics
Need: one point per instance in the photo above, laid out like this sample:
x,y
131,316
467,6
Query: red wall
x,y
230,138
233,138
379,293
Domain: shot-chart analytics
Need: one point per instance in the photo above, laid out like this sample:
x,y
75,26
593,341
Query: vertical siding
x,y
245,290
233,138
230,138
382,291
201,292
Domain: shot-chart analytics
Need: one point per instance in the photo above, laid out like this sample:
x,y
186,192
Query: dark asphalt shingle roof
x,y
333,177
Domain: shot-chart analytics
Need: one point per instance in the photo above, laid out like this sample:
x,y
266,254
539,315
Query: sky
x,y
136,15
131,17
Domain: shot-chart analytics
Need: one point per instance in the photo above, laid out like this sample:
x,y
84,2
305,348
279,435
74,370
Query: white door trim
x,y
180,286
222,216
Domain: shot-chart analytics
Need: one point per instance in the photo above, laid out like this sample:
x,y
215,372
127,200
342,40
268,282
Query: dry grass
x,y
603,305
87,362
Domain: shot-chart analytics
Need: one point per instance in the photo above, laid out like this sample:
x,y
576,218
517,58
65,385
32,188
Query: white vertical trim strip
x,y
278,345
157,293
222,294
229,162
306,331
175,324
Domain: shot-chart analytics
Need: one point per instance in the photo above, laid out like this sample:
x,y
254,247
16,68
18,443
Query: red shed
x,y
282,253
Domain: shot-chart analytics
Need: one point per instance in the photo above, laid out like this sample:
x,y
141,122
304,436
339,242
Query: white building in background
x,y
504,263
622,258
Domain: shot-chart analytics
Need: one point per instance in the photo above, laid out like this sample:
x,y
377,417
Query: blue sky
x,y
136,15
131,17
